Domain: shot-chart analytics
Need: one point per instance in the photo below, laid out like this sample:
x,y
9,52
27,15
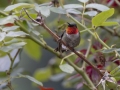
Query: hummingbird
x,y
71,36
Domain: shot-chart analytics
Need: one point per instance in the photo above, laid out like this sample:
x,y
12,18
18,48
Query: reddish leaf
x,y
89,70
117,62
100,66
9,24
79,59
114,4
93,74
45,88
74,76
97,45
105,40
79,85
83,51
112,58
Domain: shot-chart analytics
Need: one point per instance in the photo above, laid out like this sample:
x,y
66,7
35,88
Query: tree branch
x,y
58,38
87,79
10,69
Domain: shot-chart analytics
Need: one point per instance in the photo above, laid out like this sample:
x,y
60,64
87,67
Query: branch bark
x,y
79,70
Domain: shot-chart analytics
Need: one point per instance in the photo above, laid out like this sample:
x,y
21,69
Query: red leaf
x,y
114,4
117,62
45,88
94,76
9,24
100,66
83,51
97,45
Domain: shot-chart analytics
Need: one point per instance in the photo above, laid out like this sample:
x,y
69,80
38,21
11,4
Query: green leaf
x,y
108,50
45,10
117,78
2,74
16,34
58,77
91,13
113,72
8,19
18,6
109,23
83,1
74,11
33,49
2,54
72,6
6,29
32,15
103,84
43,74
36,33
102,17
31,79
12,46
116,71
97,6
2,36
66,68
58,10
14,40
117,74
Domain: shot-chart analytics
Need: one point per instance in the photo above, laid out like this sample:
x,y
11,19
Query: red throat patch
x,y
72,30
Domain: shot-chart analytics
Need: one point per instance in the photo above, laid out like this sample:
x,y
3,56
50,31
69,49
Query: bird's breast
x,y
72,36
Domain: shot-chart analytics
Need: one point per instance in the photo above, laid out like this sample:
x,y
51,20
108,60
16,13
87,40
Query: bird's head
x,y
72,29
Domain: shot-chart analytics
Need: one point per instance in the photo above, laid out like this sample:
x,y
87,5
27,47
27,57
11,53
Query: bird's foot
x,y
59,40
72,49
56,49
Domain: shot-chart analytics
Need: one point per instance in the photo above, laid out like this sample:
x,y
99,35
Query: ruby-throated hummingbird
x,y
71,37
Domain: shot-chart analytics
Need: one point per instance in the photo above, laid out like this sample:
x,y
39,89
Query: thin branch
x,y
118,2
88,51
10,69
58,38
84,5
94,34
12,2
10,86
12,61
87,79
16,54
111,31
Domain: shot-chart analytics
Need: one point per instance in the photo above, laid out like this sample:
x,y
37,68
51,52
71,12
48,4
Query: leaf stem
x,y
88,51
13,1
57,53
83,14
57,38
118,2
95,35
11,66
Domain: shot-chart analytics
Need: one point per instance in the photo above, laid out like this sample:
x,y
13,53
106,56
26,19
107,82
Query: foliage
x,y
95,64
